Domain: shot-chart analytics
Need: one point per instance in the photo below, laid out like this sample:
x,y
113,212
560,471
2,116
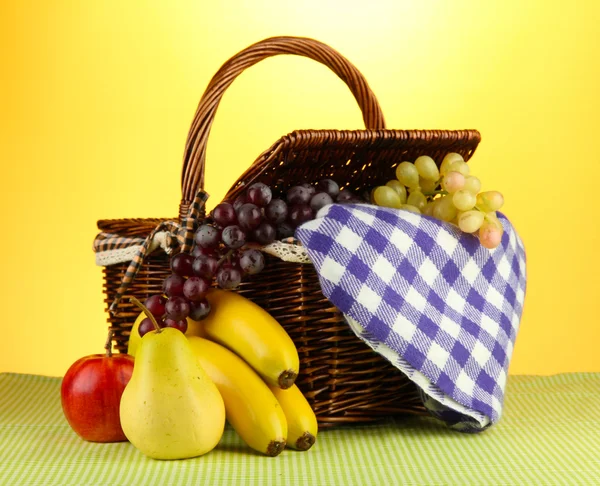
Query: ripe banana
x,y
301,420
250,407
252,333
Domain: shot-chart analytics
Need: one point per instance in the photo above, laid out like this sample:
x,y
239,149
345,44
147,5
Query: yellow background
x,y
97,97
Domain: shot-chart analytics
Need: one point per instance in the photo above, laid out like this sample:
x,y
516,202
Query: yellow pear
x,y
170,409
195,328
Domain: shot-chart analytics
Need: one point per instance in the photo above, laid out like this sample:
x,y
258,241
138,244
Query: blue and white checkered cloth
x,y
429,298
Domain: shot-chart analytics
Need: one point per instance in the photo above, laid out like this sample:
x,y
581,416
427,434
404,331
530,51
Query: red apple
x,y
91,394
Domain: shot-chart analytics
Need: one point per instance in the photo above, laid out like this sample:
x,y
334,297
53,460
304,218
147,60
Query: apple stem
x,y
147,312
108,345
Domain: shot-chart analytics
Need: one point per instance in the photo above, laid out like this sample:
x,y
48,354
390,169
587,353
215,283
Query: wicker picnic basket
x,y
343,379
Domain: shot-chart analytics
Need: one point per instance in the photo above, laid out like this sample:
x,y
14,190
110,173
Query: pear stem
x,y
108,345
147,312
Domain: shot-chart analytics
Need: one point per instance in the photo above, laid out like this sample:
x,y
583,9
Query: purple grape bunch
x,y
220,255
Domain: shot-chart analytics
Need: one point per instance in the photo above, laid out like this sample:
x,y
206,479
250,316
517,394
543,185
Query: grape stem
x,y
227,256
435,193
147,312
108,345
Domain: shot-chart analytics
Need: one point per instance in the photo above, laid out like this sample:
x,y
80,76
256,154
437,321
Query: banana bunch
x,y
253,362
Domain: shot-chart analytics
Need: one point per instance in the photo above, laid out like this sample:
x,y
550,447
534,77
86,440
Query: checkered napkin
x,y
429,298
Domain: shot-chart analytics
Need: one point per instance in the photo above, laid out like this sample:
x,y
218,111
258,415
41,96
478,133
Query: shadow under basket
x,y
343,379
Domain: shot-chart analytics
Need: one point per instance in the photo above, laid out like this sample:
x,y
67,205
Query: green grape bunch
x,y
449,193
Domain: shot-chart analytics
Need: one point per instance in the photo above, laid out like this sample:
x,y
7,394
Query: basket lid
x,y
356,159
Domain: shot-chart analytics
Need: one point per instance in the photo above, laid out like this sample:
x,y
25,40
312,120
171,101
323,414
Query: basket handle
x,y
192,177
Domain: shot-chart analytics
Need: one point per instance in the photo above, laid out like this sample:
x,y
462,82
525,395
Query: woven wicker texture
x,y
342,378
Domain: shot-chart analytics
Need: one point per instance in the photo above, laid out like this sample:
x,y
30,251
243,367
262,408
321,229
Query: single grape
x,y
417,199
298,195
411,208
427,169
428,209
345,196
198,250
490,235
444,209
387,197
329,186
490,201
264,234
459,166
205,266
284,230
173,285
199,310
308,186
453,181
300,213
239,202
407,174
249,216
277,210
259,194
371,197
156,305
181,325
177,308
450,158
207,236
252,261
464,200
492,218
233,237
470,221
195,289
366,196
228,277
397,186
427,186
146,326
319,200
224,214
472,184
181,264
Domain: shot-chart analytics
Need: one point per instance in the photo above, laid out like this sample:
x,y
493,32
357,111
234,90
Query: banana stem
x,y
147,312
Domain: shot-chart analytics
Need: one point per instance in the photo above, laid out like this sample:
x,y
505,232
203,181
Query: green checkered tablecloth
x,y
549,434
